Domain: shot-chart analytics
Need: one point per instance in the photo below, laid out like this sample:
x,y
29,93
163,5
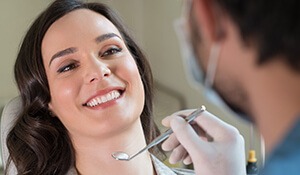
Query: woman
x,y
86,90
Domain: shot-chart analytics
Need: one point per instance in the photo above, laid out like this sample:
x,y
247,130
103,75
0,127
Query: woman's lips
x,y
103,98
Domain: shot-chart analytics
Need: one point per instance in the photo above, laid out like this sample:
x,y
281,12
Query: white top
x,y
160,168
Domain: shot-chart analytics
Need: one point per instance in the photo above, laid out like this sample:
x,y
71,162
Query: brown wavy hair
x,y
37,142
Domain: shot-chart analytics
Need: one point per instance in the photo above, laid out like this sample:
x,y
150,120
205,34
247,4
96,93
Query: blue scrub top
x,y
285,159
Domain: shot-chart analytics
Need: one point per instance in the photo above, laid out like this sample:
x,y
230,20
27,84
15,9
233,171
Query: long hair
x,y
39,143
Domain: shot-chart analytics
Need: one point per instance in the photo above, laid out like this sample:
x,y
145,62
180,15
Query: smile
x,y
112,95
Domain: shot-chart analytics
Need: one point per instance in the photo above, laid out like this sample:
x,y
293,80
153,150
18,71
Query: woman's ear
x,y
50,106
51,112
209,17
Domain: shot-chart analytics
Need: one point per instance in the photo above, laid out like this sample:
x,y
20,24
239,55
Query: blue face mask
x,y
195,74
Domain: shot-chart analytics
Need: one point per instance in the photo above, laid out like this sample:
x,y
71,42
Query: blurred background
x,y
151,23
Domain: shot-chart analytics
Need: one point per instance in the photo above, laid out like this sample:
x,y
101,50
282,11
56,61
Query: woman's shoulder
x,y
162,169
181,171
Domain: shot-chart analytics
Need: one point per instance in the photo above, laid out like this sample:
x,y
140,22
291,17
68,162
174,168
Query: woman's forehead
x,y
78,26
85,20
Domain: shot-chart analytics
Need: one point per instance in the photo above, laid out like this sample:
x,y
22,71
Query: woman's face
x,y
94,82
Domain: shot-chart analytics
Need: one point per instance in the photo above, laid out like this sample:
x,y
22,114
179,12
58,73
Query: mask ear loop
x,y
212,65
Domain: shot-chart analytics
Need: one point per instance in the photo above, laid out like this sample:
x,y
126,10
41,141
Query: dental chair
x,y
9,115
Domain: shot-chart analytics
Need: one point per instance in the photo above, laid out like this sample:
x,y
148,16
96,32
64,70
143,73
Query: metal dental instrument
x,y
125,157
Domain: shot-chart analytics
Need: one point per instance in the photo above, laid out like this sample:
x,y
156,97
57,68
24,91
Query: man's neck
x,y
275,101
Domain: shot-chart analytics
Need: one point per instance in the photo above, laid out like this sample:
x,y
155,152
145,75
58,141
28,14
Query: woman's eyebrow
x,y
63,53
70,50
106,36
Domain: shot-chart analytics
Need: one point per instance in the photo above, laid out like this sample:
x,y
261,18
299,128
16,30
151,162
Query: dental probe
x,y
125,157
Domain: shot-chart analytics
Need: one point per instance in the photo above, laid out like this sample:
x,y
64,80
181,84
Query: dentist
x,y
248,53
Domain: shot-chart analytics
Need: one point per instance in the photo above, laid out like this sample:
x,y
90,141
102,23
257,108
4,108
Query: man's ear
x,y
208,15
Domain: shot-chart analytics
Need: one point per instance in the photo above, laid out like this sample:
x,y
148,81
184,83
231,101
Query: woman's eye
x,y
111,51
67,68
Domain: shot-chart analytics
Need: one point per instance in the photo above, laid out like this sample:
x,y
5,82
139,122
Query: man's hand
x,y
213,146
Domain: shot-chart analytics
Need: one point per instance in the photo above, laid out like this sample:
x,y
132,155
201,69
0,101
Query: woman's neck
x,y
93,156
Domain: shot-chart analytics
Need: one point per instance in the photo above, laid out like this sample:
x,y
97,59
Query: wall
x,y
15,18
151,22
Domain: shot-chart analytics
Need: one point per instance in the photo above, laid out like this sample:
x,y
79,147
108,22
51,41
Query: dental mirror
x,y
125,157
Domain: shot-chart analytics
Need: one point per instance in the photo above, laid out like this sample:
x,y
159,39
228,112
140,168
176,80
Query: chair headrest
x,y
9,115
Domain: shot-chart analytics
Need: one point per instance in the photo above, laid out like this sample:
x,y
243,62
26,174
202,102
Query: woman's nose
x,y
97,70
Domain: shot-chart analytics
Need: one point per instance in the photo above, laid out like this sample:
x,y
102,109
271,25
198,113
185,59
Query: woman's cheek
x,y
63,94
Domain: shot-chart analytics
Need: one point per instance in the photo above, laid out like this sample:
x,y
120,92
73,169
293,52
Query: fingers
x,y
212,125
215,127
187,160
187,136
179,125
178,154
170,144
166,120
178,151
224,149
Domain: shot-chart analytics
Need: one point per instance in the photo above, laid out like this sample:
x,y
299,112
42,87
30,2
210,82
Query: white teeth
x,y
98,101
109,97
105,98
93,102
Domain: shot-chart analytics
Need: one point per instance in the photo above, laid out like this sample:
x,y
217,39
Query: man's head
x,y
252,34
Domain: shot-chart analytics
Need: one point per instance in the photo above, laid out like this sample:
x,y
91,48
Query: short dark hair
x,y
39,143
274,26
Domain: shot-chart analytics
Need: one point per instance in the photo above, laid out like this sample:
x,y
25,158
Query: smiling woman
x,y
92,96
